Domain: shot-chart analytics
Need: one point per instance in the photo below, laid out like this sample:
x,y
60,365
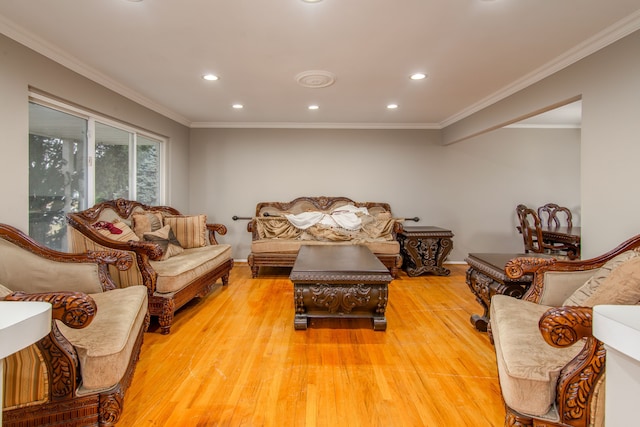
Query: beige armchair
x,y
77,375
551,368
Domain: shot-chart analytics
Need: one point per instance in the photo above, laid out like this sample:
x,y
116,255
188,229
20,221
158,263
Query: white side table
x,y
21,324
618,327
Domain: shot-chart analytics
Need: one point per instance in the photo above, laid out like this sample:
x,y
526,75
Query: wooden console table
x,y
486,277
339,282
424,249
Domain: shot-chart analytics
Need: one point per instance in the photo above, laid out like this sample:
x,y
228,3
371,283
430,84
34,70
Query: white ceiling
x,y
475,52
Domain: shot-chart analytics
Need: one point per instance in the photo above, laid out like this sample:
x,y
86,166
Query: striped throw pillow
x,y
190,230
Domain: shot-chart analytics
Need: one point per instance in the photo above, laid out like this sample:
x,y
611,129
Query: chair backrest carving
x,y
552,213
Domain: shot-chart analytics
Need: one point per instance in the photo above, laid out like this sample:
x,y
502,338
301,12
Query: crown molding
x,y
301,125
58,55
606,37
621,29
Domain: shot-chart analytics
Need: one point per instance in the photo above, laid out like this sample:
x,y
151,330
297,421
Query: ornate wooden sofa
x,y
275,241
551,368
171,281
76,375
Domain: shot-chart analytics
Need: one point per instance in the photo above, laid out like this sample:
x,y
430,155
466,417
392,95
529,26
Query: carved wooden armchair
x,y
76,375
551,368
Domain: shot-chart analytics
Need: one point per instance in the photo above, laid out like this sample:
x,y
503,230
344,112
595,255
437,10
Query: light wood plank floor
x,y
234,359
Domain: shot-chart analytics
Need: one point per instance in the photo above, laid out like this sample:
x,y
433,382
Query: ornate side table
x,y
486,277
424,249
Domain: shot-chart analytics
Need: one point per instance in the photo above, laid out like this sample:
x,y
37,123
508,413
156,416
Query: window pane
x,y
147,170
112,162
57,174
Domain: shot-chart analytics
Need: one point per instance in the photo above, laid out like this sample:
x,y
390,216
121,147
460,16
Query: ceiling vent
x,y
316,79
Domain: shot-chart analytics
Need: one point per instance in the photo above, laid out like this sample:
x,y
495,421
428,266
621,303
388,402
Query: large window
x,y
76,160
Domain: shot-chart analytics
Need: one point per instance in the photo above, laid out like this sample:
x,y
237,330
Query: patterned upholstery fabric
x,y
190,230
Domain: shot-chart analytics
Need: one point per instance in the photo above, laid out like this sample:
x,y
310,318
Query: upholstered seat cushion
x,y
178,271
528,367
104,347
390,247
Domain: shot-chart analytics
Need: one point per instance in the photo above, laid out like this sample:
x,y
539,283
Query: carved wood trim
x,y
562,327
75,310
322,203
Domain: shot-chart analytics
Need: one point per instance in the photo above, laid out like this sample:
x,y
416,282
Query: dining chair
x,y
531,229
553,212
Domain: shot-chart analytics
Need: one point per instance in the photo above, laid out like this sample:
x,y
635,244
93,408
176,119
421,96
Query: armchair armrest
x,y
562,327
76,310
212,229
565,326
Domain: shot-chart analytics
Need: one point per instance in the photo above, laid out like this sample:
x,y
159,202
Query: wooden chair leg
x,y
514,419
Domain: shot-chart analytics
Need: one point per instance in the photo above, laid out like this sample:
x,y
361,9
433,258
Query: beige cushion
x,y
191,230
387,247
178,271
22,270
146,222
166,240
104,347
622,286
528,367
126,235
581,294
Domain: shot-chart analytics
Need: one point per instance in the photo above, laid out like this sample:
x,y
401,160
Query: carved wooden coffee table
x,y
339,282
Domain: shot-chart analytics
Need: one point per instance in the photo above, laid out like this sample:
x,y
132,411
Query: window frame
x,y
92,118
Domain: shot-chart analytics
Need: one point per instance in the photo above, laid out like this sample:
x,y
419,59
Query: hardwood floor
x,y
234,359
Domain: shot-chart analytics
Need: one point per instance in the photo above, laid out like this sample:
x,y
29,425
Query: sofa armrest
x,y
76,310
213,229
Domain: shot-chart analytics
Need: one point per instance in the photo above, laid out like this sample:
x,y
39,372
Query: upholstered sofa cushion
x,y
104,347
166,239
38,274
581,294
528,367
177,271
390,247
191,230
146,222
621,287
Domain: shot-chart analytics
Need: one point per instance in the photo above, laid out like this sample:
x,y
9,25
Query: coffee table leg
x,y
379,324
300,322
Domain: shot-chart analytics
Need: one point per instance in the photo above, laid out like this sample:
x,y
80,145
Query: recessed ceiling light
x,y
238,106
418,76
210,77
312,1
313,107
392,106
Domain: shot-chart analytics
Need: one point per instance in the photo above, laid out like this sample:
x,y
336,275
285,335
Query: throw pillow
x,y
166,240
585,291
190,230
145,222
109,230
622,286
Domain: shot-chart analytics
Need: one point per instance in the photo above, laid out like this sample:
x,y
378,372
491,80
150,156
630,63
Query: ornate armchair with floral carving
x,y
76,375
551,368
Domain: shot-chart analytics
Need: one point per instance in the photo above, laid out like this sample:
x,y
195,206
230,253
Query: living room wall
x,y
471,188
21,68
